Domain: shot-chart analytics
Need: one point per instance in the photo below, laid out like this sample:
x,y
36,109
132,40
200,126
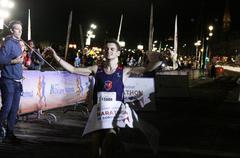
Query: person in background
x,y
34,57
77,61
11,82
24,54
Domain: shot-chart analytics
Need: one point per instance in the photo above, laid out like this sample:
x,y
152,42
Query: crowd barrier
x,y
54,89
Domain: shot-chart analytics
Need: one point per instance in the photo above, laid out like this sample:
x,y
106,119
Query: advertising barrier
x,y
54,89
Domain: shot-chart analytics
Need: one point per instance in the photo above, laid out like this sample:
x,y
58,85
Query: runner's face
x,y
111,51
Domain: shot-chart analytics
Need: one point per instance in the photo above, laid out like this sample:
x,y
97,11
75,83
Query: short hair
x,y
113,41
12,23
30,41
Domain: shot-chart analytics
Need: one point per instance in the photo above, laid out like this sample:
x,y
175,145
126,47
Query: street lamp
x,y
90,34
93,26
4,13
210,27
207,53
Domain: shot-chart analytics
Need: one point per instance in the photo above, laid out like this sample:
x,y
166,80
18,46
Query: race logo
x,y
108,85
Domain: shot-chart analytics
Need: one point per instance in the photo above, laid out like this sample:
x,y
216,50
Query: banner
x,y
140,91
53,89
106,117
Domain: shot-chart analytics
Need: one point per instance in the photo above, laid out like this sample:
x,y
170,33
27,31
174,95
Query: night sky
x,y
50,18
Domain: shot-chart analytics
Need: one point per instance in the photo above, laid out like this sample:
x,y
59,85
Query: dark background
x,y
49,18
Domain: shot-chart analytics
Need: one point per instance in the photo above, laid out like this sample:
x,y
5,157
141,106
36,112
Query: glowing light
x,y
93,26
6,4
198,43
210,27
140,47
72,46
122,43
4,14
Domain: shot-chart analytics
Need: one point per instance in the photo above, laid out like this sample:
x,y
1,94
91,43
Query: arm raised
x,y
83,71
154,62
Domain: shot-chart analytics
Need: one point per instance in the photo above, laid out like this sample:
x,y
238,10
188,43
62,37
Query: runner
x,y
105,119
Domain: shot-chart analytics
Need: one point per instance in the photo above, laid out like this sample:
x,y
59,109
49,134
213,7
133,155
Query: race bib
x,y
106,98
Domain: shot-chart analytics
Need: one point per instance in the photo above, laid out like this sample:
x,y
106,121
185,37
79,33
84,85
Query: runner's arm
x,y
83,71
154,62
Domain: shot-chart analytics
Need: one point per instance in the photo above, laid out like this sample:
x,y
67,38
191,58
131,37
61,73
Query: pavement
x,y
206,124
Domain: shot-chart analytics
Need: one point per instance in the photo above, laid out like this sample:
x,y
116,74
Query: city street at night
x,y
205,124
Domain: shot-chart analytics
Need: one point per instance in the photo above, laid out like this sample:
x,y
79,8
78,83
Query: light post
x,y
5,5
197,55
207,54
90,34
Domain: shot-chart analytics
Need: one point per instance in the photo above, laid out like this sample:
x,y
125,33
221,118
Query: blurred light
x,y
89,32
4,14
1,23
140,47
6,4
10,4
122,43
207,59
88,41
198,43
207,38
93,26
210,27
72,46
210,34
154,49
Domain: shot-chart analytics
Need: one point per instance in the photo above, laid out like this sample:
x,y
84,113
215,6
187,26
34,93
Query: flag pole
x,y
175,49
81,36
29,25
150,39
68,34
120,27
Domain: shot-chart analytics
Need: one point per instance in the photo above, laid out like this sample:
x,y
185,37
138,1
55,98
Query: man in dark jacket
x,y
10,82
35,57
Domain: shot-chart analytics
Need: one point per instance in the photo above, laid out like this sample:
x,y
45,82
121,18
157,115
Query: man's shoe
x,y
12,139
2,134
